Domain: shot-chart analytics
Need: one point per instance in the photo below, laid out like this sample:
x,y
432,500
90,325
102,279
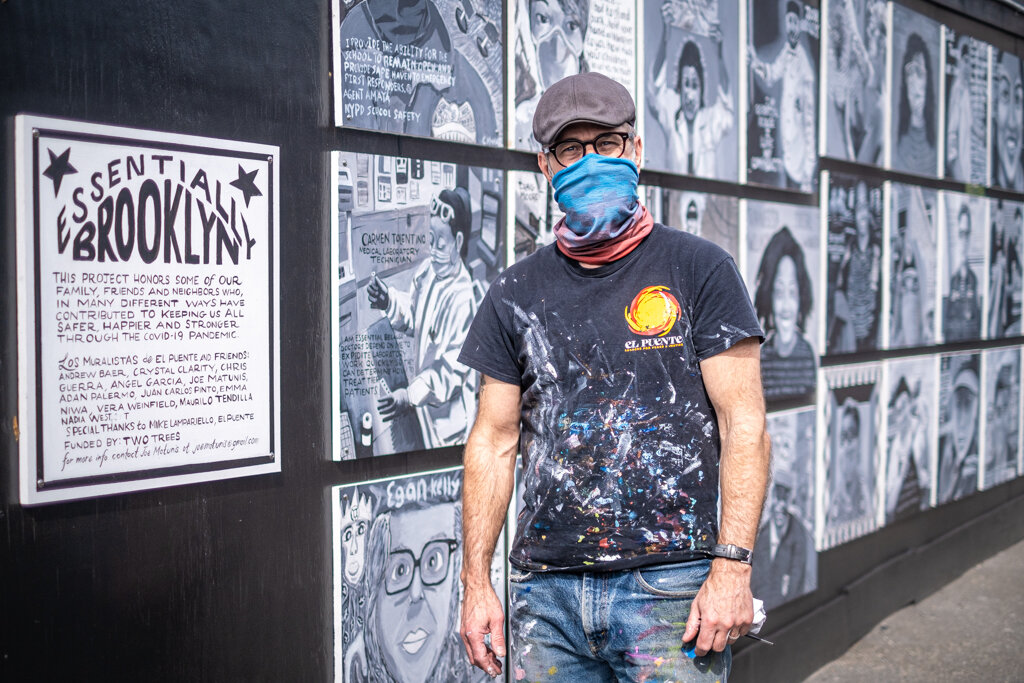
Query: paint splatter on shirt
x,y
619,440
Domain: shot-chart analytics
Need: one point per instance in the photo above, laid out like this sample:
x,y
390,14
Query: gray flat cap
x,y
583,98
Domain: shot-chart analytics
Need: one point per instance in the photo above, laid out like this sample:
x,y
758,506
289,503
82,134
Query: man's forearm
x,y
744,477
488,481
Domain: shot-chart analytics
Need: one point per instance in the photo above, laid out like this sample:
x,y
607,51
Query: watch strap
x,y
732,552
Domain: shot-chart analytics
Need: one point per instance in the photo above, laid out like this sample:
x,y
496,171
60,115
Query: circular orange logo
x,y
653,312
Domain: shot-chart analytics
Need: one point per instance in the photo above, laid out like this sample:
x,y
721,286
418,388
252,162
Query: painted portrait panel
x,y
782,117
959,426
910,416
691,75
913,254
558,38
963,290
397,598
785,563
854,264
858,32
431,68
915,92
418,243
1007,120
851,453
1003,415
966,71
1005,261
711,216
783,243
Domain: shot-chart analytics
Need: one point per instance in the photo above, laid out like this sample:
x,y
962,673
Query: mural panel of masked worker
x,y
782,119
1007,120
913,251
851,453
783,243
785,564
915,82
397,558
910,433
959,426
431,68
1002,405
692,48
553,40
966,108
854,264
857,97
423,248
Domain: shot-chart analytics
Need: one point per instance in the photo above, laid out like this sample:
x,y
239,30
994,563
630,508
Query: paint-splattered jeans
x,y
609,626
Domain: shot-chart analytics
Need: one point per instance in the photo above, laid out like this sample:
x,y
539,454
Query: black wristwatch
x,y
732,552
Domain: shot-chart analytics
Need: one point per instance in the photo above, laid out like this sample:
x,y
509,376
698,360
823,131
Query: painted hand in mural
x,y
377,292
391,406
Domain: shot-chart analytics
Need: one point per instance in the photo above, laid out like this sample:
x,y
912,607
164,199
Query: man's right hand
x,y
377,292
482,615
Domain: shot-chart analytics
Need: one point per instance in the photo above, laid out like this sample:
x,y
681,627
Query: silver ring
x,y
733,637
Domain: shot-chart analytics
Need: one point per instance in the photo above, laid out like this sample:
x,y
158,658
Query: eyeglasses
x,y
444,210
433,564
568,152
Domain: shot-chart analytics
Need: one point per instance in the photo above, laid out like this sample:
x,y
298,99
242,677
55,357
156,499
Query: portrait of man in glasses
x,y
406,622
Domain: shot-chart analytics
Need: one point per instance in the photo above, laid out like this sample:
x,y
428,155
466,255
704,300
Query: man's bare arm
x,y
724,604
488,481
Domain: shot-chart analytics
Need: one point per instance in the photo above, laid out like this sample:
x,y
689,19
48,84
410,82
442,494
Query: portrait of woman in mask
x,y
783,300
915,149
548,47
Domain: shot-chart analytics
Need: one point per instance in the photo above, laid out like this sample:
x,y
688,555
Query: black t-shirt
x,y
619,440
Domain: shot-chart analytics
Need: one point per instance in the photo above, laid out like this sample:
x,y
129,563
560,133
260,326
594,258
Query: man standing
x,y
437,311
623,360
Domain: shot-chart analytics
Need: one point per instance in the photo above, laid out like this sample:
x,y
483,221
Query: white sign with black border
x,y
148,325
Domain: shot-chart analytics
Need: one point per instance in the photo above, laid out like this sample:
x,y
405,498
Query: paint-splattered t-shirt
x,y
619,439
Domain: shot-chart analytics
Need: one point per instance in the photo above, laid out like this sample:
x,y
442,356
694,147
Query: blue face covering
x,y
599,197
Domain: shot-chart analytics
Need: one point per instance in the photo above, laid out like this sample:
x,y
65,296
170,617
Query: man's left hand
x,y
723,609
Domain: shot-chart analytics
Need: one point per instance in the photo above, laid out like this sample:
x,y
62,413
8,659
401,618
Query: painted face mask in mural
x,y
400,21
444,248
559,41
599,197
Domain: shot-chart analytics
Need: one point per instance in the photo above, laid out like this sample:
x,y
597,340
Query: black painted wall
x,y
232,580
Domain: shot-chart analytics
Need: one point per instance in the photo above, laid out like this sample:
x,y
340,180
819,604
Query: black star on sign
x,y
58,168
246,185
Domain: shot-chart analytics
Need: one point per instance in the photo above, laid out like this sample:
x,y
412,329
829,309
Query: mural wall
x,y
873,229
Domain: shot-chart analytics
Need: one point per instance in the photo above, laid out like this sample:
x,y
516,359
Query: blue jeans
x,y
609,626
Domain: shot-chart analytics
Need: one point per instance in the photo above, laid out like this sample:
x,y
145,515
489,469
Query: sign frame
x,y
35,485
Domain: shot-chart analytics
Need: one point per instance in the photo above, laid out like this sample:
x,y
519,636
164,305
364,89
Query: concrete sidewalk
x,y
972,629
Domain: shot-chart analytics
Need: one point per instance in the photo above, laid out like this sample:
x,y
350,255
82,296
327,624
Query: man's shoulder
x,y
679,244
528,272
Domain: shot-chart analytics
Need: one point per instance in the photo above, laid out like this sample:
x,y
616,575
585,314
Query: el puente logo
x,y
653,313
